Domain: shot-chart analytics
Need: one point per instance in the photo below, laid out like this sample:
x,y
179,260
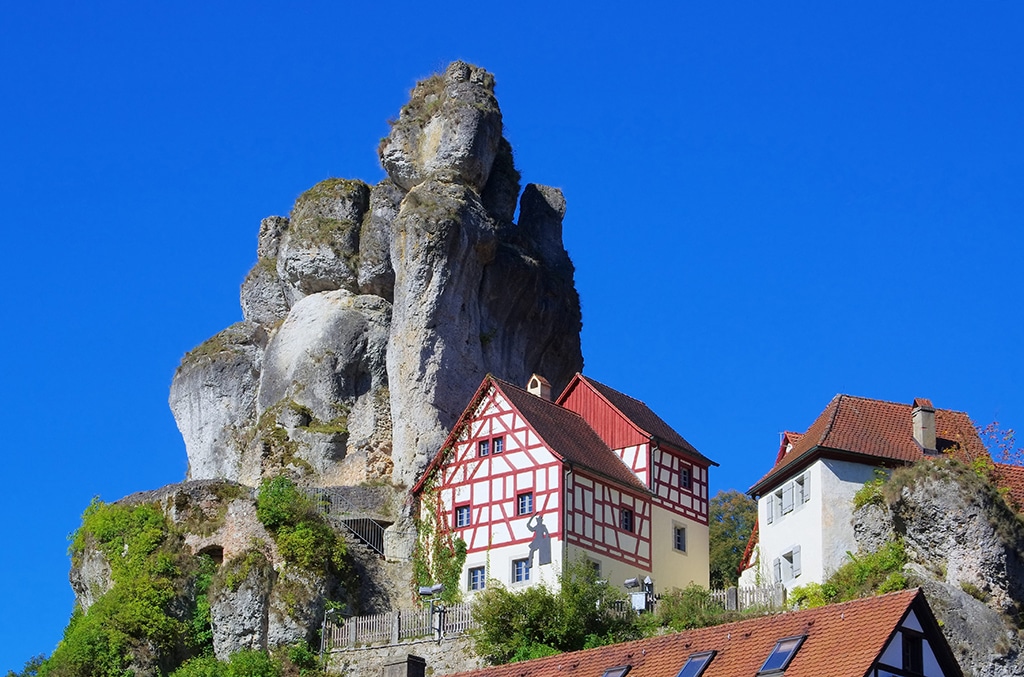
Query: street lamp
x,y
432,594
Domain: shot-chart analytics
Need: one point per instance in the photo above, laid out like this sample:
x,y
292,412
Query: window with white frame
x,y
498,444
462,518
684,477
524,503
520,570
477,578
483,448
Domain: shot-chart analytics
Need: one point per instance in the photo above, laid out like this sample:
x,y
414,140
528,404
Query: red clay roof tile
x,y
875,429
842,640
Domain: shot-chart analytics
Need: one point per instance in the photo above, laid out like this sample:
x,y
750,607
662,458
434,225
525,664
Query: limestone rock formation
x,y
967,551
372,314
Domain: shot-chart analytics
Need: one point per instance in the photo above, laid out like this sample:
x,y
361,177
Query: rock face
x,y
373,313
967,552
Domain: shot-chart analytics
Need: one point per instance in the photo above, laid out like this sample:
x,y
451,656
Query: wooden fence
x,y
437,621
395,627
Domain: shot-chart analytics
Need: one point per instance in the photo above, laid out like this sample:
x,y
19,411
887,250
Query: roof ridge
x,y
605,385
835,414
898,404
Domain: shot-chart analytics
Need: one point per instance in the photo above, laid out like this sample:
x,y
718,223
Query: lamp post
x,y
641,600
328,614
431,593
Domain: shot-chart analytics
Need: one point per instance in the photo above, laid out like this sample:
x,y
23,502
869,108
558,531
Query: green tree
x,y
731,522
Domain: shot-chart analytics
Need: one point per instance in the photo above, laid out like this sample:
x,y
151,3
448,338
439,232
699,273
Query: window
x,y
520,570
619,671
476,578
626,519
787,567
679,539
484,448
524,503
791,561
787,498
684,478
801,489
778,660
913,653
462,516
499,444
695,664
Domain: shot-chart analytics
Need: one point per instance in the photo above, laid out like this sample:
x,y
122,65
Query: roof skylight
x,y
696,663
619,671
781,655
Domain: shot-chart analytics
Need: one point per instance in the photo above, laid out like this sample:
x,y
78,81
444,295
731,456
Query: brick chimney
x,y
924,423
412,666
539,386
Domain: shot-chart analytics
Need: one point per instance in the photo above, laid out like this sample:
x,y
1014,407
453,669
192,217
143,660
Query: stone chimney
x,y
924,423
412,666
539,386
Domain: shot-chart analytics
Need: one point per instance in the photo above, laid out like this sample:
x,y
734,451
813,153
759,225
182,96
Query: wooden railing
x,y
395,627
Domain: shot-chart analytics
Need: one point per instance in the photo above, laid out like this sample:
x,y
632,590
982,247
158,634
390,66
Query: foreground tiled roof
x,y
874,428
569,436
644,418
842,640
1011,479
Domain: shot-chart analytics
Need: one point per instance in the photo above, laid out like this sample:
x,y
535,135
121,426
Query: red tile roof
x,y
569,436
1011,478
842,639
644,418
878,430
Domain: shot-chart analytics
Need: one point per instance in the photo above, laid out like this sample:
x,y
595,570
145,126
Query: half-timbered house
x,y
531,484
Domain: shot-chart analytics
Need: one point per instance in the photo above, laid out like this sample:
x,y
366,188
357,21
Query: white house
x,y
530,484
804,524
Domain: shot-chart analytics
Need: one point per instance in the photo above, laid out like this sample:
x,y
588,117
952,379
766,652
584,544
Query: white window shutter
x,y
770,505
777,570
807,487
796,561
787,498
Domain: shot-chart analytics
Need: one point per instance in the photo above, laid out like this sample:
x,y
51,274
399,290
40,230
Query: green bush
x,y
302,535
536,621
156,605
874,573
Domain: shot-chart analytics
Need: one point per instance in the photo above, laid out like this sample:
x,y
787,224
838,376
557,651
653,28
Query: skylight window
x,y
619,671
696,663
781,655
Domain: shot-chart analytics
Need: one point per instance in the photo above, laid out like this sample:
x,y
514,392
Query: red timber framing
x,y
594,519
670,470
657,463
490,485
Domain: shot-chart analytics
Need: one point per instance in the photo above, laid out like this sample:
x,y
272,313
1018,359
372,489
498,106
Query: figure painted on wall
x,y
541,543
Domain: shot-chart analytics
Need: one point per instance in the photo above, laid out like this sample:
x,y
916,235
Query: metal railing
x,y
333,505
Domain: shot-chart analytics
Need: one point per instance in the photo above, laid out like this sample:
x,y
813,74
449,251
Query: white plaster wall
x,y
822,527
840,481
801,527
498,563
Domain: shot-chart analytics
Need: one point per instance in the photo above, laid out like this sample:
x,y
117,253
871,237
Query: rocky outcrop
x,y
966,549
372,314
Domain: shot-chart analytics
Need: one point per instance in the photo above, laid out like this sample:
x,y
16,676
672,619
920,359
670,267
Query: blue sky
x,y
768,204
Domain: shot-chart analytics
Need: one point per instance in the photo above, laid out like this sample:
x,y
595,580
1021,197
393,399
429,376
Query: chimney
x,y
924,424
412,666
540,387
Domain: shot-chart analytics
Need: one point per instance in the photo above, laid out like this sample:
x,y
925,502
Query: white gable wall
x,y
814,536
